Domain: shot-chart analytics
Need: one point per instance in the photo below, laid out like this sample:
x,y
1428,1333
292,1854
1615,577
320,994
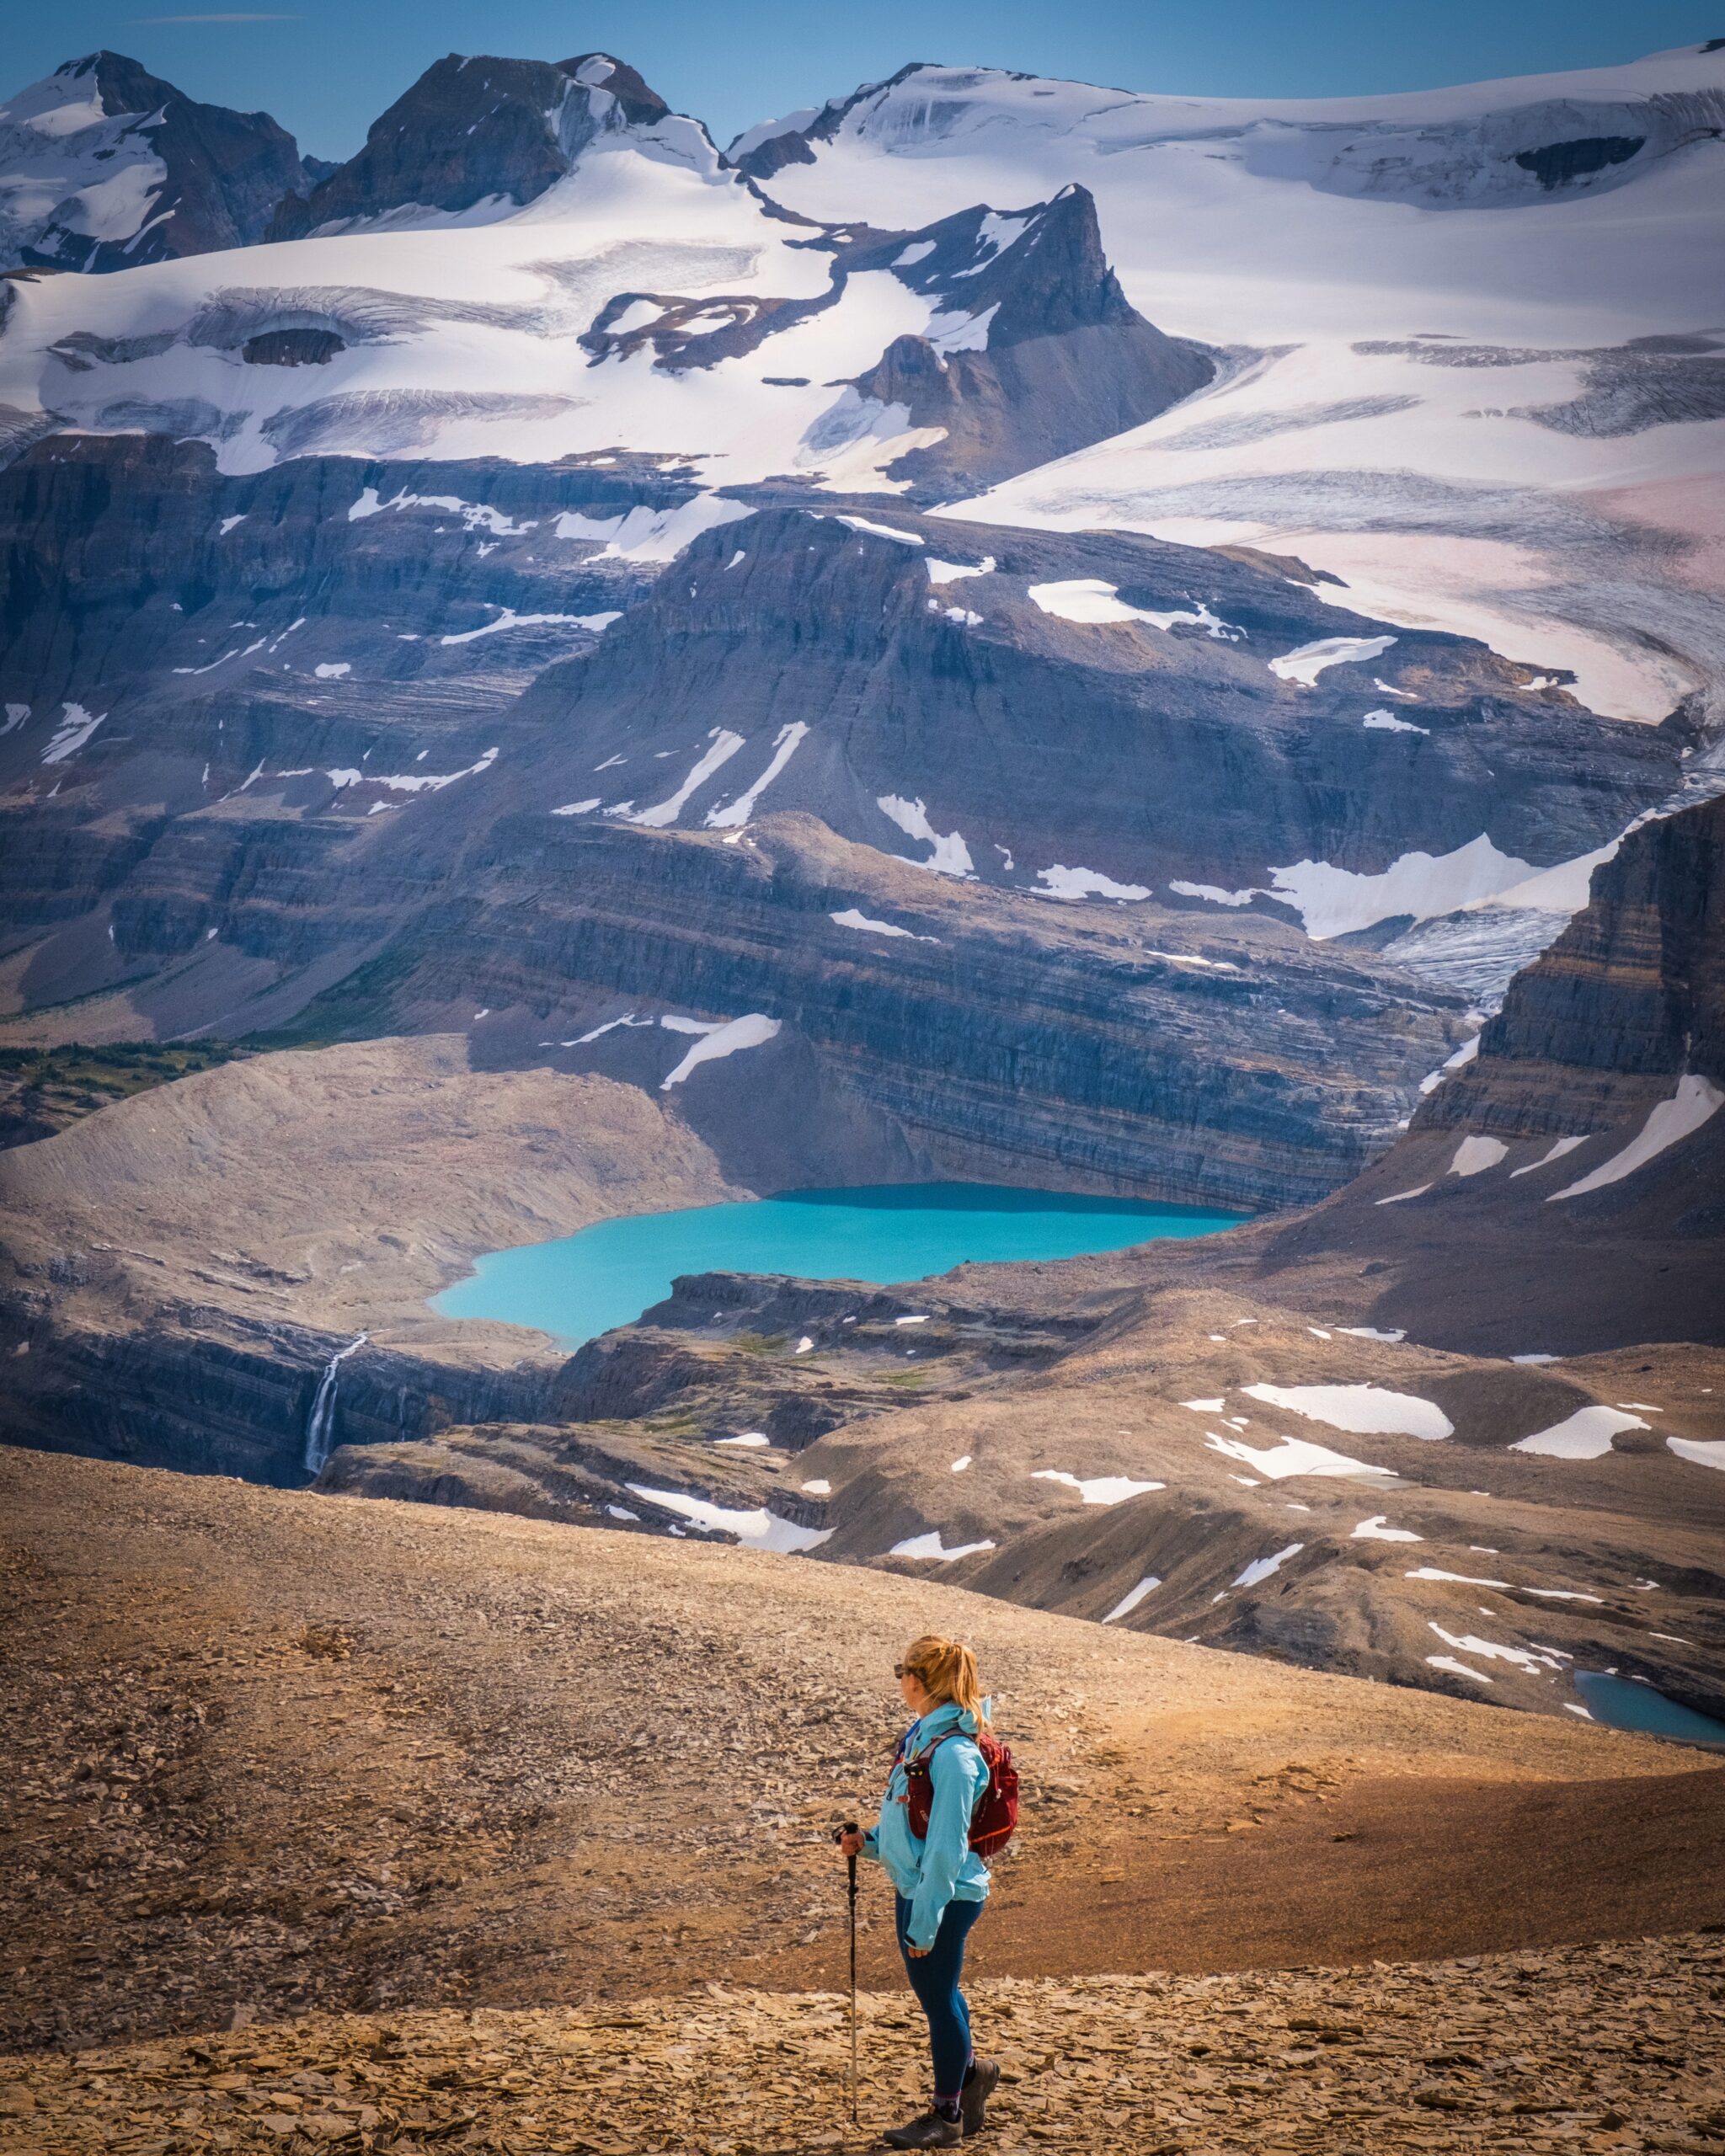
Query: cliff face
x,y
1627,1001
1565,1189
1159,715
365,746
1002,1036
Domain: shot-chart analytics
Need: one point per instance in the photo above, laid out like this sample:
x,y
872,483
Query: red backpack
x,y
994,1818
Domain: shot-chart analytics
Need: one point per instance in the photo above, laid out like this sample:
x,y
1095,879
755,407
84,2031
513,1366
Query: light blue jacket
x,y
945,1868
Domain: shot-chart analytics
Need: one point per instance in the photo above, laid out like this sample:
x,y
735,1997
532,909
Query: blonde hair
x,y
946,1670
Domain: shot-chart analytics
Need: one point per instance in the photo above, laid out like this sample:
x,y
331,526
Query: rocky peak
x,y
640,105
1033,350
769,147
1036,272
476,130
104,166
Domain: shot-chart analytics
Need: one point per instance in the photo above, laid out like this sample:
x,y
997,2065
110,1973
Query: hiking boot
x,y
928,2130
973,2100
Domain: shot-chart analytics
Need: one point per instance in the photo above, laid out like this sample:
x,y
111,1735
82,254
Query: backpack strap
x,y
923,1759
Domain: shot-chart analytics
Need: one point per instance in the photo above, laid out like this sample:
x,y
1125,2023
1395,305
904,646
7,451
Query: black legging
x,y
934,1978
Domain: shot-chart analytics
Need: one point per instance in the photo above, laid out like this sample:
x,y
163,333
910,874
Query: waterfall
x,y
323,1416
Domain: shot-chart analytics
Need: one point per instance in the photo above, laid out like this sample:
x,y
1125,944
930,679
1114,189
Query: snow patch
x,y
735,814
74,728
1474,1156
1504,1587
881,531
1377,1529
609,1025
1493,1650
951,856
1088,599
1290,1456
753,1030
854,917
1098,1489
1261,1568
929,1545
1062,883
1332,901
1557,1153
1385,721
507,618
1458,1668
1310,659
724,745
1366,1410
1586,1434
1695,1100
1129,1601
1214,894
651,534
757,1529
402,781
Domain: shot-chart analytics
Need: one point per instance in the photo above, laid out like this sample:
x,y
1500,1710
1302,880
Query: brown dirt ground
x,y
270,1752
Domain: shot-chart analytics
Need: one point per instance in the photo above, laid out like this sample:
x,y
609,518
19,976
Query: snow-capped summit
x,y
1495,141
478,138
103,165
1475,331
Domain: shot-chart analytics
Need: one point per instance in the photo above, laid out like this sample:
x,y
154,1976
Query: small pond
x,y
582,1285
1624,1704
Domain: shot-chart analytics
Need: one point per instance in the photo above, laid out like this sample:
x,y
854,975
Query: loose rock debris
x,y
1614,2046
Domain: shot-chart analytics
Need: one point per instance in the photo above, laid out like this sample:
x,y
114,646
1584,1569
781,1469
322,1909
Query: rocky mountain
x,y
476,138
1034,349
1186,664
104,166
1526,1344
1439,300
1576,1155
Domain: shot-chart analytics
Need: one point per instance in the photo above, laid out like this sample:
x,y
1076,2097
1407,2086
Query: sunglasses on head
x,y
902,1669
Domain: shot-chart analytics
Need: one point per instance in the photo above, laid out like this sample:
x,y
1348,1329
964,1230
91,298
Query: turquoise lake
x,y
582,1285
1623,1704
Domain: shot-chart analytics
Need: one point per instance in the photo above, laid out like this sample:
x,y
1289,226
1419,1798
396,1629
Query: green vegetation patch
x,y
43,1090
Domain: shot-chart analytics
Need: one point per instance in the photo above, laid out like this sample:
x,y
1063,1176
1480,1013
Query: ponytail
x,y
946,1670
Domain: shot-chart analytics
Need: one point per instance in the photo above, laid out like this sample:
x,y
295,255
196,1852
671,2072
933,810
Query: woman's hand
x,y
919,1953
851,1844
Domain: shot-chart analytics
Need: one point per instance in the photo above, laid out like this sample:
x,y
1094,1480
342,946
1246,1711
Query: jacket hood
x,y
950,1716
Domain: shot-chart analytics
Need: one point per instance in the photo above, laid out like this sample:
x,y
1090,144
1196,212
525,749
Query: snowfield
x,y
1435,395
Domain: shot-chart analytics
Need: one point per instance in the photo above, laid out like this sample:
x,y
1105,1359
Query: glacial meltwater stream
x,y
582,1285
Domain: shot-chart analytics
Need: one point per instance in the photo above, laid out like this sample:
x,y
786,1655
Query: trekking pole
x,y
851,1864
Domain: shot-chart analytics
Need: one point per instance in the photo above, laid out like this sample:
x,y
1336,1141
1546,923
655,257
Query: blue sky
x,y
326,70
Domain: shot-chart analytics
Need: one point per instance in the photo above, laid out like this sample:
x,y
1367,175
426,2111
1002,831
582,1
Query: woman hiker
x,y
941,1882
